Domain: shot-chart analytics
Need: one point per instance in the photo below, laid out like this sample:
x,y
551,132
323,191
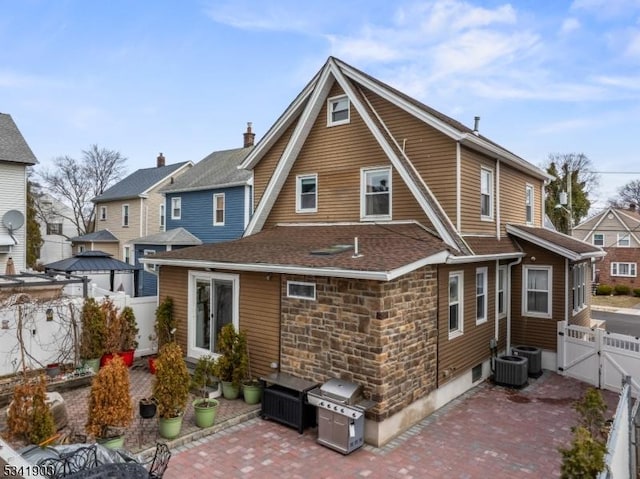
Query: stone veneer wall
x,y
382,335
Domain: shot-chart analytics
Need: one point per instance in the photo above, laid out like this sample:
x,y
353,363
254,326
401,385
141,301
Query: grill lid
x,y
340,390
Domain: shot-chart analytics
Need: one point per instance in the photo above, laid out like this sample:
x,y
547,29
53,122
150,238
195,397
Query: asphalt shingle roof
x,y
138,182
101,236
382,247
13,147
559,239
218,169
176,236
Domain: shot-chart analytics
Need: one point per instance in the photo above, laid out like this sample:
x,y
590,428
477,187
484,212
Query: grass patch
x,y
615,301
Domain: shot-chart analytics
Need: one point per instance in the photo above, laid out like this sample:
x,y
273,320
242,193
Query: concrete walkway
x,y
490,431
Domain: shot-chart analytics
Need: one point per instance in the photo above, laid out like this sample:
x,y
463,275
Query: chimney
x,y
632,207
249,136
160,160
476,124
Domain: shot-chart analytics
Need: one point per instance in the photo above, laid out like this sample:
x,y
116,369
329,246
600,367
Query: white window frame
x,y
622,238
103,213
501,295
600,235
486,171
300,296
578,287
176,204
126,254
459,330
632,269
364,172
525,290
330,105
216,210
529,201
481,292
299,193
81,248
151,268
125,215
162,217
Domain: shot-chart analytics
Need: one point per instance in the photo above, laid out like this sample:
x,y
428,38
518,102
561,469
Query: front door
x,y
213,303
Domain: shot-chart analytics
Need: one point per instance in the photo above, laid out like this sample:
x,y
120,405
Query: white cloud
x,y
570,25
606,8
626,82
633,45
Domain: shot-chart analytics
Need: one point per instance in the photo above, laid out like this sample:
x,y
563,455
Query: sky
x,y
184,77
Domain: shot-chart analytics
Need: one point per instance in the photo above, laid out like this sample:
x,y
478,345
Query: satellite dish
x,y
13,220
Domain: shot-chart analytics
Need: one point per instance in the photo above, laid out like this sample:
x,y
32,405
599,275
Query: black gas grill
x,y
341,409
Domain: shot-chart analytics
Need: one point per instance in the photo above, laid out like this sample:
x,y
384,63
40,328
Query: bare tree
x,y
628,194
76,182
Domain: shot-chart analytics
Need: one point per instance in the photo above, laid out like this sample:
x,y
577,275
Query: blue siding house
x,y
147,284
213,199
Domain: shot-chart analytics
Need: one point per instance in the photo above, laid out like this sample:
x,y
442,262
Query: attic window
x,y
333,249
337,110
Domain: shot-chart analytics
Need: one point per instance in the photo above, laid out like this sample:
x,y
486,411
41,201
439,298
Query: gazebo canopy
x,y
89,261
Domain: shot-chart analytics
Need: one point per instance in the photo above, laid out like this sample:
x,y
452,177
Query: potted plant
x,y
252,391
171,389
110,410
205,407
232,364
164,328
128,334
28,417
113,328
93,334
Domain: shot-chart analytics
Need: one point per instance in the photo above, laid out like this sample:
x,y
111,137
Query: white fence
x,y
598,357
620,457
48,330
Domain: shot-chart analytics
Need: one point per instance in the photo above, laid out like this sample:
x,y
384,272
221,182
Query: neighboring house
x,y
133,207
213,199
617,231
55,229
15,157
166,241
103,240
390,245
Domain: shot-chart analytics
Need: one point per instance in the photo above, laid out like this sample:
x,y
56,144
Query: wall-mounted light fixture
x,y
533,258
49,314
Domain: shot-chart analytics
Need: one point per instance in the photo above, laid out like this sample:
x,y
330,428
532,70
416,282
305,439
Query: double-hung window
x,y
598,239
502,297
163,217
481,295
54,228
537,291
176,208
337,110
306,193
623,269
375,191
103,213
218,209
456,316
528,201
486,194
125,215
624,240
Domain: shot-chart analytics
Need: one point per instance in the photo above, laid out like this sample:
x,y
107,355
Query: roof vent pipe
x,y
356,250
476,124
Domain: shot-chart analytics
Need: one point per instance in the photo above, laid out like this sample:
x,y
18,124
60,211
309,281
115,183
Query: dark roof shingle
x,y
13,147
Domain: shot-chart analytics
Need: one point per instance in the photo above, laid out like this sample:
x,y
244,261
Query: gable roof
x,y
100,236
385,251
218,170
13,147
628,220
139,182
176,236
556,242
305,109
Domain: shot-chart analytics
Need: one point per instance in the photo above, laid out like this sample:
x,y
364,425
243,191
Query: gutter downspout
x,y
509,267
